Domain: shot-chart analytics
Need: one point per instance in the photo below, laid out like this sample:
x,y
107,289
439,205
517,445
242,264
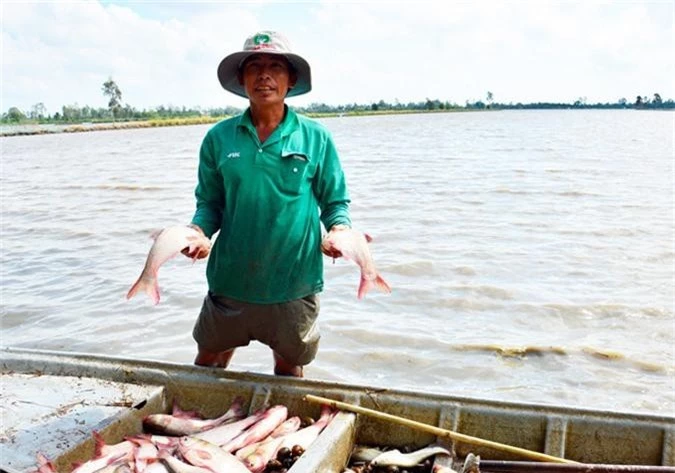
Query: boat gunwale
x,y
142,370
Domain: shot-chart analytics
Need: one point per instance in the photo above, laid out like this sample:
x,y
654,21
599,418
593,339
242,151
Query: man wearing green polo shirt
x,y
267,179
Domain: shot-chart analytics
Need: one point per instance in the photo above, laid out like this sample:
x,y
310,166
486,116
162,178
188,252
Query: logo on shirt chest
x,y
233,155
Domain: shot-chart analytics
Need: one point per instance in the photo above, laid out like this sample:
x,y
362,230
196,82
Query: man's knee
x,y
218,359
284,368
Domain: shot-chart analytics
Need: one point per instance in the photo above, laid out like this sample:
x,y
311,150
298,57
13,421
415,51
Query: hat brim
x,y
228,68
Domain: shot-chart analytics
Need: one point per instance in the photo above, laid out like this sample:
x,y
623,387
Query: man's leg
x,y
218,359
283,368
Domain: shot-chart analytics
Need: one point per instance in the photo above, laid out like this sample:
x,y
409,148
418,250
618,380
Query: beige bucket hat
x,y
267,42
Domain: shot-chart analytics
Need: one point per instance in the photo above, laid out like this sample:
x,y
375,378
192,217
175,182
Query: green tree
x,y
114,94
38,111
489,98
657,99
15,115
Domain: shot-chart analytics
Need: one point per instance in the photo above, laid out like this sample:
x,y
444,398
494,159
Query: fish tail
x,y
153,291
134,289
148,285
367,284
99,443
382,285
364,287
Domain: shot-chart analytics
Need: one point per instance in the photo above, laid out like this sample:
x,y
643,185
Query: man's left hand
x,y
325,246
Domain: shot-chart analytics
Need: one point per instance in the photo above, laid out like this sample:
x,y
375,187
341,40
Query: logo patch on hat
x,y
261,38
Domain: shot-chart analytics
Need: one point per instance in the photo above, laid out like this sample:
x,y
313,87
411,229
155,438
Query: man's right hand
x,y
199,252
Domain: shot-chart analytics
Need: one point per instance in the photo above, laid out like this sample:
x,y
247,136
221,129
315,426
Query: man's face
x,y
266,78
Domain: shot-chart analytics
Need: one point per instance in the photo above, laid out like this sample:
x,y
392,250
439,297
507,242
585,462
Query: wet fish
x,y
122,466
146,453
207,455
110,462
102,449
395,457
45,465
256,461
188,425
256,455
269,421
222,434
354,246
177,466
168,243
287,427
155,466
365,454
305,437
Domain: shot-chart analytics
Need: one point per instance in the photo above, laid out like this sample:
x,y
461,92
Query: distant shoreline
x,y
28,129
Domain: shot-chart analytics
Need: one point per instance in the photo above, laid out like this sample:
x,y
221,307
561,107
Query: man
x,y
263,178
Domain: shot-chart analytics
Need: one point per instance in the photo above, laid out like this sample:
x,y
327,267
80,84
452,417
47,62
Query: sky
x,y
166,52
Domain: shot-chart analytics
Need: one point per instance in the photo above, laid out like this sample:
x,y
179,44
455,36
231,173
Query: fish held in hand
x,y
168,243
353,245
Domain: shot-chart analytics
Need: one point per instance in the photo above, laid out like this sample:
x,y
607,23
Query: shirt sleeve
x,y
330,189
209,192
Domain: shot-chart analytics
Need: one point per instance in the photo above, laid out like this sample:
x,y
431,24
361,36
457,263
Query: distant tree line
x,y
116,111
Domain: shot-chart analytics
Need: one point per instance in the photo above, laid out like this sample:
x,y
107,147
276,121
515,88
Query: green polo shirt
x,y
268,201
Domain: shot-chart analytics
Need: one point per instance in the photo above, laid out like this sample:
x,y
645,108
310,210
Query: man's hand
x,y
325,246
198,252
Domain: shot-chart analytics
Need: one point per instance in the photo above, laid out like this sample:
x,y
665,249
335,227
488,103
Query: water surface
x,y
531,253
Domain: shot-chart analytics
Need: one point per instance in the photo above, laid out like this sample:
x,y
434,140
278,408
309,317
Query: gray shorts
x,y
288,328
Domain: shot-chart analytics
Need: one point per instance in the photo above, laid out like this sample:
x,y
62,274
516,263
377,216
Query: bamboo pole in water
x,y
530,454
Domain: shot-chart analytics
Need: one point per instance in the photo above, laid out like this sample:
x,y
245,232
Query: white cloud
x,y
164,53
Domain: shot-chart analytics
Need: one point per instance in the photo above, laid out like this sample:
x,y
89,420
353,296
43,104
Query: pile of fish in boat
x,y
375,460
268,441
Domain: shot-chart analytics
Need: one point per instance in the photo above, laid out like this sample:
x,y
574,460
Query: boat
x,y
52,402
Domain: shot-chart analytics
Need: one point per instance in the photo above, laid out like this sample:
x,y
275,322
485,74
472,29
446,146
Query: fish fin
x,y
151,289
364,287
134,289
99,443
367,284
382,285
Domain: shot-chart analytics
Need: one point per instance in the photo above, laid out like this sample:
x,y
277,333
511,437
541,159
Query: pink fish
x,y
207,455
186,424
155,466
162,442
256,455
44,464
222,434
102,449
354,246
145,454
256,461
168,243
270,420
109,460
177,466
305,437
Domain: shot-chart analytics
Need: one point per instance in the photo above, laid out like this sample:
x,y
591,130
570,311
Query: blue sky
x,y
166,52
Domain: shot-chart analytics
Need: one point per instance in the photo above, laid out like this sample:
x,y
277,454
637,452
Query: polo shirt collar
x,y
287,126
